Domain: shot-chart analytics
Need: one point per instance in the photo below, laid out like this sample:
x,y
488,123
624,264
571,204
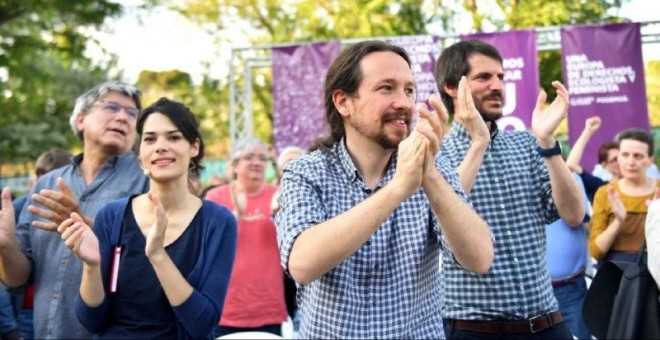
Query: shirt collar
x,y
346,161
111,162
351,170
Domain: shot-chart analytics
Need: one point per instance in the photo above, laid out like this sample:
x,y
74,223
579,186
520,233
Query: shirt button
x,y
522,288
515,260
497,180
63,262
502,206
508,232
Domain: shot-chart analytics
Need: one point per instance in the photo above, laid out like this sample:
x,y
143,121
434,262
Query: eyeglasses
x,y
251,157
114,108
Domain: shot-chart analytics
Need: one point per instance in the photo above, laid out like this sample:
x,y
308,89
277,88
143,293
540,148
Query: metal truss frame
x,y
245,60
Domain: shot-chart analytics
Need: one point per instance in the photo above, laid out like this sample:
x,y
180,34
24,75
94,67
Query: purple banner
x,y
423,51
604,74
521,75
298,76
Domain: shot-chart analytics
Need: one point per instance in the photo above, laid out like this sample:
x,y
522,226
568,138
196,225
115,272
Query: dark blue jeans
x,y
570,298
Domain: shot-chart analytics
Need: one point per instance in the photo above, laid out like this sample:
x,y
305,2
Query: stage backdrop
x,y
298,76
521,75
604,73
423,51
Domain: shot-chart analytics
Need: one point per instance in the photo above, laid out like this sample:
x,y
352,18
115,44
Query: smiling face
x,y
163,149
486,83
106,129
382,108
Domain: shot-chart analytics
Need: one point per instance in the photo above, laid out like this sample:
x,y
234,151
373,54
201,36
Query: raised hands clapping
x,y
80,238
545,120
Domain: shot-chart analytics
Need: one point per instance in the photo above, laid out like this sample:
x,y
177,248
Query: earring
x,y
144,170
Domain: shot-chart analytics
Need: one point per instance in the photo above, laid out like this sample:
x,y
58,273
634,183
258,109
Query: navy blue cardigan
x,y
198,316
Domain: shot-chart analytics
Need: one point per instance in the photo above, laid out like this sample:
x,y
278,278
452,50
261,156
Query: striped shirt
x,y
512,193
390,287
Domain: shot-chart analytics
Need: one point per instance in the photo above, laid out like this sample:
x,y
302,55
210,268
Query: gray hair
x,y
286,151
85,101
245,144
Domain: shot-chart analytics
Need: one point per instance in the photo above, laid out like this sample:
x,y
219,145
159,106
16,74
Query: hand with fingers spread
x,y
56,206
80,238
545,120
467,114
155,248
7,219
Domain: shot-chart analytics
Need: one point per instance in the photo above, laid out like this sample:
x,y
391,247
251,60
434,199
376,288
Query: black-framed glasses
x,y
114,108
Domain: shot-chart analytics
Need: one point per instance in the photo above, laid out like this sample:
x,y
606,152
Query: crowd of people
x,y
123,240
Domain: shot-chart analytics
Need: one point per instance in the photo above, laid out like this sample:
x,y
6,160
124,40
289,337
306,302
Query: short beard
x,y
490,117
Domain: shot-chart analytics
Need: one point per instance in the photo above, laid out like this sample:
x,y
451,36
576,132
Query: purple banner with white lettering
x,y
521,75
604,73
423,51
298,76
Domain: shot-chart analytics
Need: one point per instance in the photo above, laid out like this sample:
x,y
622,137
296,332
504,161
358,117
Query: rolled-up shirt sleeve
x,y
301,207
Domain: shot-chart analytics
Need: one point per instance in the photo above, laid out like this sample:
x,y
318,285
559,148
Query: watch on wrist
x,y
553,151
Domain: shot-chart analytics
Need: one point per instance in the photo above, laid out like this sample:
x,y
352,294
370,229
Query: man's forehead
x,y
386,65
114,96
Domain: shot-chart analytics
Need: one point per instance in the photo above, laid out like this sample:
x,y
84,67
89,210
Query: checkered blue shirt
x,y
389,288
512,194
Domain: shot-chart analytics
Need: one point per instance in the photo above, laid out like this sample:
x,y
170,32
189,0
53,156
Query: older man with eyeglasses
x,y
104,119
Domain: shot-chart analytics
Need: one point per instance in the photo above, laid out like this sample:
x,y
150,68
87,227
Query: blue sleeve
x,y
97,319
591,184
201,312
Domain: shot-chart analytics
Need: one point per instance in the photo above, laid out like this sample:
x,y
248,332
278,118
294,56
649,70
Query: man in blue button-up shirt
x,y
104,119
362,217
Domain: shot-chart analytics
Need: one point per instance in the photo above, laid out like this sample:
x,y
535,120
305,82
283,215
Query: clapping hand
x,y
156,234
545,120
618,208
7,218
466,113
80,238
432,125
56,206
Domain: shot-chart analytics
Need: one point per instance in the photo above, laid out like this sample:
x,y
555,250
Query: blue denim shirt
x,y
56,272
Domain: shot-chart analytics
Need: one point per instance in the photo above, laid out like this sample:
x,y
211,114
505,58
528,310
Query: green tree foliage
x,y
653,90
530,14
207,103
283,21
43,69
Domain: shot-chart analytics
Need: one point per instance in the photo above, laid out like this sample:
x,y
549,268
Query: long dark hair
x,y
345,74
